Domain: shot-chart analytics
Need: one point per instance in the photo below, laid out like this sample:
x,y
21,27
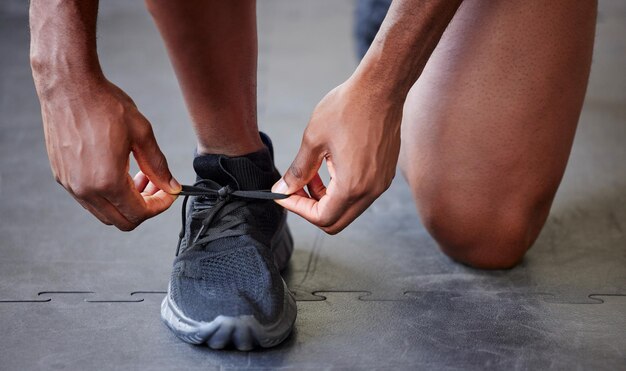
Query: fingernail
x,y
280,186
175,185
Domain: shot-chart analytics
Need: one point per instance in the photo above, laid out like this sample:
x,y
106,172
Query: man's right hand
x,y
90,132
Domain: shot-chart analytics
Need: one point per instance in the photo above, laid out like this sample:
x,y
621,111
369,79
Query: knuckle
x,y
106,187
356,194
136,219
309,138
126,227
144,129
332,230
324,221
57,178
366,190
389,181
80,190
313,140
160,163
296,171
380,189
101,217
388,184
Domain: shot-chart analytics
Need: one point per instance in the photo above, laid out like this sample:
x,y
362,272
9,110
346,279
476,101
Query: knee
x,y
484,235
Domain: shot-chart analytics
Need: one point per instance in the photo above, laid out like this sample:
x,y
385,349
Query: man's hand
x,y
91,126
356,127
358,134
90,132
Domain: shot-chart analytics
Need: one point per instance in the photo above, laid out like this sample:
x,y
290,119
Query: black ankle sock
x,y
260,158
251,171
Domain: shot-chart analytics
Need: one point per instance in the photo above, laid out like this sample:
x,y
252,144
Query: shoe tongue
x,y
254,171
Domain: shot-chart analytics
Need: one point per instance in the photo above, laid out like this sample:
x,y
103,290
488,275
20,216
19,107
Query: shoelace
x,y
225,203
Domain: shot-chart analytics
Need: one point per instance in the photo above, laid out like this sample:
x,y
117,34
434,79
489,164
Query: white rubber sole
x,y
243,332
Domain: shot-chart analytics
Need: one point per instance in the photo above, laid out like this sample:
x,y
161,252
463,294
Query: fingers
x,y
93,199
349,216
158,202
141,181
331,214
113,214
128,201
316,187
331,209
107,213
150,159
123,205
303,168
93,211
144,185
323,213
150,189
137,207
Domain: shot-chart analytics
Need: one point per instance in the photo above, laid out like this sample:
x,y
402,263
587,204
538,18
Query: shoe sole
x,y
243,332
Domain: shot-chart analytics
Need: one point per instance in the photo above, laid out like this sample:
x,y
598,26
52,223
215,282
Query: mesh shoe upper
x,y
225,265
242,280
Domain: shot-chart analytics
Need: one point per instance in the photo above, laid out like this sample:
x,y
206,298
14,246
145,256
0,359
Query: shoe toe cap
x,y
236,283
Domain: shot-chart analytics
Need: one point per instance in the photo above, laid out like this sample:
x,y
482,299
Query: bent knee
x,y
487,236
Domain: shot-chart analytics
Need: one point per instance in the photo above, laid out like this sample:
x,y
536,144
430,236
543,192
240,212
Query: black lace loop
x,y
226,200
217,190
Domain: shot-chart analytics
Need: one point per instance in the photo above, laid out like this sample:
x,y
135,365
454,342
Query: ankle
x,y
231,148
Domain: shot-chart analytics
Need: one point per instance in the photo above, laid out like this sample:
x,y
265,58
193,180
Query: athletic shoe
x,y
225,288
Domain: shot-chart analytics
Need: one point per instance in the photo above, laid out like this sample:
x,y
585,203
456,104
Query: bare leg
x,y
213,47
488,128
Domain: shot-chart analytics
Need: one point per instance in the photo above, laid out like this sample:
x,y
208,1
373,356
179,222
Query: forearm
x,y
63,51
403,45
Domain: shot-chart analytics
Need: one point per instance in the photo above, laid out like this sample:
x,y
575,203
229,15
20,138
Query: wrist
x,y
382,106
61,75
64,63
63,53
382,81
381,91
403,45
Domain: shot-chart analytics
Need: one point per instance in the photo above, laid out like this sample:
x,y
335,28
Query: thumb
x,y
303,168
152,161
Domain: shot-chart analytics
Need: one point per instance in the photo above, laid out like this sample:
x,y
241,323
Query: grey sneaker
x,y
225,288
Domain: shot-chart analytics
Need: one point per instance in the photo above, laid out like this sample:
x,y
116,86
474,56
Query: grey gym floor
x,y
379,295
